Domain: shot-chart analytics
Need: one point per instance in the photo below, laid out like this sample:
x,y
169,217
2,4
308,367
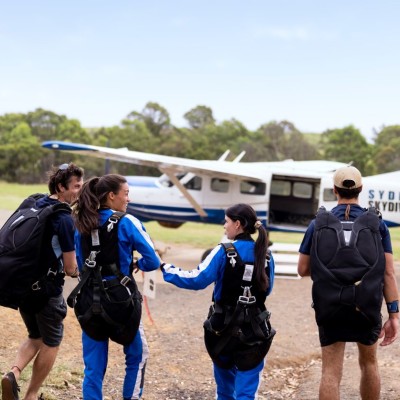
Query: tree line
x,y
23,160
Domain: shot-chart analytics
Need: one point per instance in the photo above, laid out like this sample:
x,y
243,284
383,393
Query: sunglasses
x,y
63,167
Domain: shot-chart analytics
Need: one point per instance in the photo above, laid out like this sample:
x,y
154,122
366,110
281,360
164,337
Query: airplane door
x,y
293,201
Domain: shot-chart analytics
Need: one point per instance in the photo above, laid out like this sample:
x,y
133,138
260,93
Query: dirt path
x,y
179,367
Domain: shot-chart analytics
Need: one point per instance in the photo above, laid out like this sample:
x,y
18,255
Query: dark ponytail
x,y
247,217
92,196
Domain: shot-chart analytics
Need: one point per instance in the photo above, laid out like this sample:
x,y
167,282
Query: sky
x,y
318,64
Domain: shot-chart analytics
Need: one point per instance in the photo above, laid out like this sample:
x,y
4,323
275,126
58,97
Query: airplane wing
x,y
255,171
166,164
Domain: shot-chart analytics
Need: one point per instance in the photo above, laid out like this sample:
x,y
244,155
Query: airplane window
x,y
280,188
302,190
219,185
164,181
194,183
250,187
329,195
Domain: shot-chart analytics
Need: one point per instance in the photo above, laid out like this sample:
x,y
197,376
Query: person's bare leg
x,y
332,369
370,384
26,352
42,366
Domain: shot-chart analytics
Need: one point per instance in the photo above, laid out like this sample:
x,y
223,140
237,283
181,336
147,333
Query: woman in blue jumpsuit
x,y
98,199
241,222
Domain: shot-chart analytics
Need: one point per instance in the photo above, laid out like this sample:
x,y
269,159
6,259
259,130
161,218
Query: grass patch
x,y
12,194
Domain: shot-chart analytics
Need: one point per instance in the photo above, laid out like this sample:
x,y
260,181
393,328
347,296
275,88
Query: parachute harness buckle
x,y
90,262
232,257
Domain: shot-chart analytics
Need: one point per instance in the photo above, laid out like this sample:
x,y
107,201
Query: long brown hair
x,y
92,196
247,217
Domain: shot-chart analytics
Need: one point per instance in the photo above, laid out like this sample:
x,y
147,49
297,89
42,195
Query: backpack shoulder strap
x,y
232,254
374,210
90,263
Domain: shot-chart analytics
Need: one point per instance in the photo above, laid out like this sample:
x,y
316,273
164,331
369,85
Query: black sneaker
x,y
9,387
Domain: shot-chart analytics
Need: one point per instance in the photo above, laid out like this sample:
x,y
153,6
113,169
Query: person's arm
x,y
70,264
65,231
132,230
390,329
303,265
198,278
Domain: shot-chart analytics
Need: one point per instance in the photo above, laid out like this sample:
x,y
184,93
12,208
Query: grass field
x,y
198,235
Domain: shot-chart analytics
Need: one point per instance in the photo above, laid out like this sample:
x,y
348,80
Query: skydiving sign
x,y
384,200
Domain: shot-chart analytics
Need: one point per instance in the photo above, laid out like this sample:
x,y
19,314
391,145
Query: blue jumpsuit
x,y
132,236
232,384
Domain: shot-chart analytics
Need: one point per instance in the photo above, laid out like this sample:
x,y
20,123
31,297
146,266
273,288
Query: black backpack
x,y
106,308
24,239
347,265
239,325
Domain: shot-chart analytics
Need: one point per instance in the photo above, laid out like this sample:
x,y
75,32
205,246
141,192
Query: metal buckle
x,y
246,300
90,262
51,272
110,226
232,255
125,280
36,286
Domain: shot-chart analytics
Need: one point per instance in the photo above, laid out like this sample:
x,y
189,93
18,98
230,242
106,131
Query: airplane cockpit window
x,y
251,187
281,188
302,190
219,185
194,184
329,195
165,181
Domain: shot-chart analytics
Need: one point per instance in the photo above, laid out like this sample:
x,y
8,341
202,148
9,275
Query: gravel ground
x,y
179,367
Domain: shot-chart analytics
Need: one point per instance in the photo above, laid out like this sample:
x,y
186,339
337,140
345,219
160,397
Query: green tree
x,y
20,155
387,149
347,145
154,116
386,135
276,141
199,117
44,123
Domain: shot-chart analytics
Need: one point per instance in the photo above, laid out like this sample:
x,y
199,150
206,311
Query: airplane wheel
x,y
170,224
205,254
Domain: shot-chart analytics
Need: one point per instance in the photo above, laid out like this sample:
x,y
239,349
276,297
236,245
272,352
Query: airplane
x,y
285,194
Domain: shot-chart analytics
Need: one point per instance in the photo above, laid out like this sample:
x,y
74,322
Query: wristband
x,y
393,307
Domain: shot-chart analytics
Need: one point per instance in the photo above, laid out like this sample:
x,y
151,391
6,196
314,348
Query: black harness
x,y
107,303
238,325
347,265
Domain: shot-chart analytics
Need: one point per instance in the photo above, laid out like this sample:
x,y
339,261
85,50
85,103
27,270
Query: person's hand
x,y
135,265
389,331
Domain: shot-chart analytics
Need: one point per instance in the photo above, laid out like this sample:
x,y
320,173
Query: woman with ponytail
x,y
95,207
243,274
